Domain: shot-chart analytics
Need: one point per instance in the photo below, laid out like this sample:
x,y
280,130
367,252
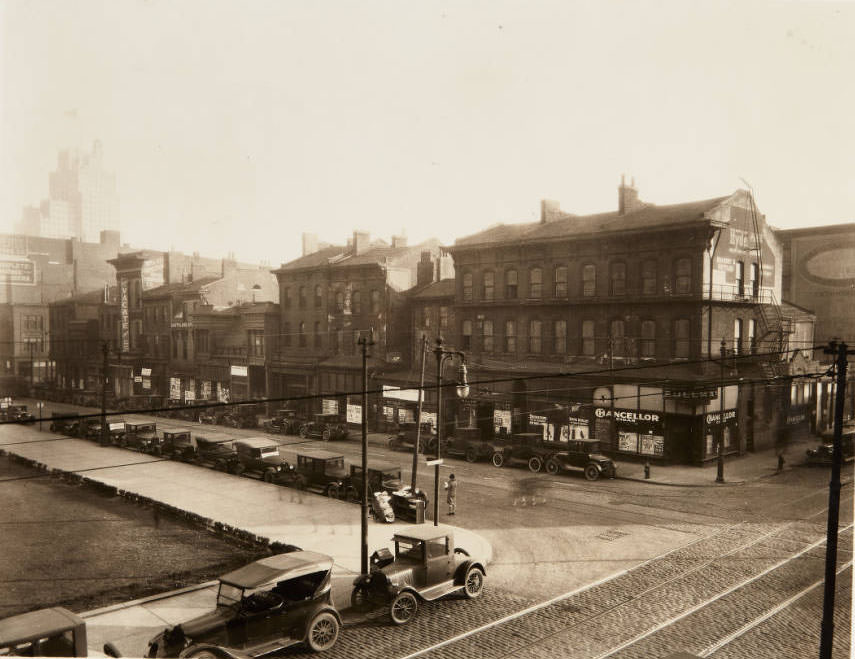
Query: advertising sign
x,y
18,272
429,417
205,390
239,371
146,383
329,406
152,273
396,393
354,413
145,372
389,413
652,445
714,418
628,416
222,393
627,441
138,378
175,388
124,319
406,415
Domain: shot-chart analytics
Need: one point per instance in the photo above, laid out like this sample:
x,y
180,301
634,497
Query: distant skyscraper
x,y
82,200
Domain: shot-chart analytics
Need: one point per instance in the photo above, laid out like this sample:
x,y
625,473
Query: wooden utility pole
x,y
419,415
105,435
365,341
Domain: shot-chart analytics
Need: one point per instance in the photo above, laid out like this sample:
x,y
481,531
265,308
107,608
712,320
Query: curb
x,y
145,600
650,481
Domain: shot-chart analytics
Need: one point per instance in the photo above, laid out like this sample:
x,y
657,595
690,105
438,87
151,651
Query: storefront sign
x,y
124,318
18,272
239,371
714,418
628,416
175,388
396,393
145,372
354,413
138,378
180,324
794,419
329,406
537,419
704,393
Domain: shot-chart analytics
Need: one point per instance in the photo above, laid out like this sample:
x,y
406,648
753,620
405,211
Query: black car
x,y
217,453
526,449
17,413
321,471
140,436
466,443
405,438
582,454
260,456
262,608
325,427
65,423
286,422
177,444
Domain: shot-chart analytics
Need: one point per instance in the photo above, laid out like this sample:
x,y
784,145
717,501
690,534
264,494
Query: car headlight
x,y
278,467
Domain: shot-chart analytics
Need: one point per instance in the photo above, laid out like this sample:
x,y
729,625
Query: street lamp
x,y
719,477
462,389
366,340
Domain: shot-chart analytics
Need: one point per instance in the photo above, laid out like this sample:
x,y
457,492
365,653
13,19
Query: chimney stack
x,y
628,197
425,270
549,210
361,240
310,243
399,241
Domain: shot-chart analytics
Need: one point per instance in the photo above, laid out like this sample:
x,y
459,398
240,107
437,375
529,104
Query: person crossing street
x,y
451,486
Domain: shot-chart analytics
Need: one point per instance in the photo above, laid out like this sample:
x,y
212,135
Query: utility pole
x,y
719,476
613,423
32,343
105,435
419,416
365,341
827,629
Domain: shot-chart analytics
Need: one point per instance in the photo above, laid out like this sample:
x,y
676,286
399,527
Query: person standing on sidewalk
x,y
451,498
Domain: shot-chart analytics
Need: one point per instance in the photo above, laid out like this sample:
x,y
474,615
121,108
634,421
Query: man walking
x,y
451,486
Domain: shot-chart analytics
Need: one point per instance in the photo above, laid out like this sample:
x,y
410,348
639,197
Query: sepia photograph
x,y
413,329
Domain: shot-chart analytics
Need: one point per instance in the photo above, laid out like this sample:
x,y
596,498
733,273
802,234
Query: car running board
x,y
267,648
440,589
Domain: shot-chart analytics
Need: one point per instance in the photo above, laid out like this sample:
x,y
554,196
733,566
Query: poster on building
x,y
396,393
502,422
389,413
652,445
145,372
406,415
627,441
239,371
146,383
354,413
205,390
152,273
124,319
174,388
138,378
429,417
223,393
578,428
189,395
18,272
538,423
329,406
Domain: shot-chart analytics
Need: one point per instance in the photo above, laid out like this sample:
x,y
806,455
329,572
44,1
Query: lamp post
x,y
462,392
365,341
719,477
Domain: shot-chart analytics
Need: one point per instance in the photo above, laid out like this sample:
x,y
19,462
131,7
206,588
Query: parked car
x,y
65,423
54,632
17,413
523,449
326,427
286,422
426,566
321,471
90,428
140,436
239,416
386,477
260,456
582,454
217,453
177,444
466,443
824,452
405,438
263,607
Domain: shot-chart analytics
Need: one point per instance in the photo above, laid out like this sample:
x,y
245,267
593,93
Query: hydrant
x,y
647,469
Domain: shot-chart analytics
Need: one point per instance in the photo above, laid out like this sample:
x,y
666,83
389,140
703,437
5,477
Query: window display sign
x,y
396,393
429,417
502,421
329,406
389,413
714,418
627,441
652,445
175,388
205,390
145,372
239,371
354,413
406,415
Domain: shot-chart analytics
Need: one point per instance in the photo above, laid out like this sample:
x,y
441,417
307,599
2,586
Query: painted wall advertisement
x,y
124,319
329,406
354,413
174,388
18,272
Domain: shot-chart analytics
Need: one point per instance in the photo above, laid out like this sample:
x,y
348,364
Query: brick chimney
x,y
425,270
628,197
310,243
549,210
361,242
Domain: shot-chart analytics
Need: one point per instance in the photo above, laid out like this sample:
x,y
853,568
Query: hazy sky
x,y
235,126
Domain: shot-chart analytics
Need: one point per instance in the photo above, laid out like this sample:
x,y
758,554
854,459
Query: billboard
x,y
18,272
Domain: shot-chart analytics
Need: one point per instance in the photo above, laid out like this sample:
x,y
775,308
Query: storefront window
x,y
618,275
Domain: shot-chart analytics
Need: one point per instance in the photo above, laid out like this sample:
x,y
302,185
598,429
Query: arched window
x,y
466,334
589,280
511,290
648,277
683,276
648,338
535,336
318,296
375,301
560,279
487,336
535,283
302,300
356,302
467,287
302,334
510,336
618,278
489,281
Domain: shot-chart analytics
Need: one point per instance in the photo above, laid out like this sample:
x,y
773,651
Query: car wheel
x,y
403,608
471,455
300,482
326,434
592,473
268,476
359,598
157,451
323,632
332,491
498,459
236,469
535,464
473,583
304,432
204,654
352,495
552,467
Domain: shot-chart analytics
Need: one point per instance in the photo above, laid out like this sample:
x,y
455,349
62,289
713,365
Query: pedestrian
x,y
451,486
780,462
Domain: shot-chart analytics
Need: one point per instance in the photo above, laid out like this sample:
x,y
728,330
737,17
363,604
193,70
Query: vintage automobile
x,y
523,449
286,422
325,427
140,436
17,413
405,438
90,428
263,607
466,443
386,477
582,454
259,456
321,471
426,566
217,453
65,423
54,632
824,452
116,431
177,444
239,416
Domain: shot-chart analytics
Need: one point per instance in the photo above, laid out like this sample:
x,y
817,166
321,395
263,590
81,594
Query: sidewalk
x,y
282,514
737,469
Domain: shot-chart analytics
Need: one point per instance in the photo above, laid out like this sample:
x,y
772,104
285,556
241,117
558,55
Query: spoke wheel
x,y
471,455
351,494
403,608
268,476
498,459
332,491
592,473
535,464
552,467
323,632
474,583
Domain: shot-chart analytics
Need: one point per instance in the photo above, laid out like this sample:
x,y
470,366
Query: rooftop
x,y
441,288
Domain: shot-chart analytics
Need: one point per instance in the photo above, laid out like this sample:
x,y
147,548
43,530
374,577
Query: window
x,y
286,297
318,338
740,278
375,301
560,278
535,330
201,339
511,285
487,336
618,276
302,334
559,337
510,336
467,287
286,334
752,335
467,334
648,338
489,286
302,300
356,302
426,316
681,338
256,343
339,301
617,332
737,336
588,344
589,280
443,317
335,341
755,280
648,277
683,276
535,283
